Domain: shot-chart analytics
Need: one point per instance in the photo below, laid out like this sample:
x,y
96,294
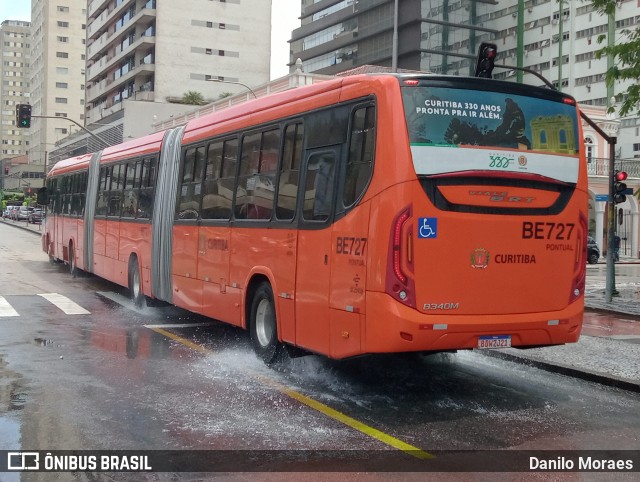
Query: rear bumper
x,y
392,327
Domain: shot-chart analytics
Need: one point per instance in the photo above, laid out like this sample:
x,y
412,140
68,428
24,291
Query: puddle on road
x,y
13,398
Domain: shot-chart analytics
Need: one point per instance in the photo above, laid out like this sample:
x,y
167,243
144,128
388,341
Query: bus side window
x,y
212,203
319,186
115,194
145,195
101,203
249,163
227,181
191,187
361,153
131,187
290,172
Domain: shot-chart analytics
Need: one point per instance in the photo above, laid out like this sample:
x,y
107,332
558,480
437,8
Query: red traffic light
x,y
621,176
485,59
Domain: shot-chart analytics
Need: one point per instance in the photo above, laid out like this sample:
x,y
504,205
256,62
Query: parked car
x,y
35,216
7,212
13,214
22,213
593,251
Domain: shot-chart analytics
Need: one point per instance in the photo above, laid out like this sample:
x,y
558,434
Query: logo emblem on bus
x,y
522,160
480,258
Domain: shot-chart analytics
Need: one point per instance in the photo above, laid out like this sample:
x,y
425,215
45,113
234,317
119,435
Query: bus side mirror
x,y
42,197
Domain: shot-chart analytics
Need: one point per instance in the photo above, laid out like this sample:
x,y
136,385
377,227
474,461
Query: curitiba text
x,y
460,109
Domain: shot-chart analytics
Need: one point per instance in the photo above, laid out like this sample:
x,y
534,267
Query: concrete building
x,y
157,51
15,57
56,73
558,40
443,37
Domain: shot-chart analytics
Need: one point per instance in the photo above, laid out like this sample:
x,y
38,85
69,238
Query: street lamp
x,y
214,79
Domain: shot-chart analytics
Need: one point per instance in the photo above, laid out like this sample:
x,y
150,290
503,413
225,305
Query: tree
x,y
626,56
193,98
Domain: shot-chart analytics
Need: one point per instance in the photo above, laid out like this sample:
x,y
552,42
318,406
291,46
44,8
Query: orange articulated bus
x,y
366,214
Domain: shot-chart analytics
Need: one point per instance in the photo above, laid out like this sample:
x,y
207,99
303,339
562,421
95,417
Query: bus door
x,y
313,272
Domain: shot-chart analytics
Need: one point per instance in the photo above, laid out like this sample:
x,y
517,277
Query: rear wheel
x,y
135,283
72,261
264,327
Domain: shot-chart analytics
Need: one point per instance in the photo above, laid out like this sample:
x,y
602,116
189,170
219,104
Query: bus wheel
x,y
135,283
264,328
72,261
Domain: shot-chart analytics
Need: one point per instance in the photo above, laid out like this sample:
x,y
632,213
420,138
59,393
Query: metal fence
x,y
598,166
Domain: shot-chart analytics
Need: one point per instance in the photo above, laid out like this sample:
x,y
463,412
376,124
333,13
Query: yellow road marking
x,y
320,407
181,340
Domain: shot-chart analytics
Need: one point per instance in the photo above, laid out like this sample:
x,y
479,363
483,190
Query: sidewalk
x,y
608,351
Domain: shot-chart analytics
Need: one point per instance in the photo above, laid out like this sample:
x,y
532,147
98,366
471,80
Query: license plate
x,y
494,341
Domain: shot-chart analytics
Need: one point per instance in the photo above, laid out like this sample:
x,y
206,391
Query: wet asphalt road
x,y
160,378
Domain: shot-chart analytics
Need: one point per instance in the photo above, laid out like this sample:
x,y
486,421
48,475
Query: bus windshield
x,y
452,117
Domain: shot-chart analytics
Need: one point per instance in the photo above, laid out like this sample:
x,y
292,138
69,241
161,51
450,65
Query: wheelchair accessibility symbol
x,y
427,227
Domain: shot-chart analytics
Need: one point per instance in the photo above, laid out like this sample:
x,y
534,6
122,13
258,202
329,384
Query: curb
x,y
24,228
565,370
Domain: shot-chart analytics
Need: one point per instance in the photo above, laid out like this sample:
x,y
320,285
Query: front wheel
x,y
593,258
264,327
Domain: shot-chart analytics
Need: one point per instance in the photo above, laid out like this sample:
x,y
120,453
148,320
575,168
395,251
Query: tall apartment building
x,y
157,51
443,37
15,57
57,72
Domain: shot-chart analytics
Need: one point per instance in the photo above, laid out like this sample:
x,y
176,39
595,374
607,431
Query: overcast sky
x,y
284,19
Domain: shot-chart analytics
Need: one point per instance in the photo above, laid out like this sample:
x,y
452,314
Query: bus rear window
x,y
441,116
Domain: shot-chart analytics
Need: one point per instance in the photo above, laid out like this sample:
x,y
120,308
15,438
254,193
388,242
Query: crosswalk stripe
x,y
6,309
65,304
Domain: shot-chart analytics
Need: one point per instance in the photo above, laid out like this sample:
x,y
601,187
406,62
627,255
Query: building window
x,y
63,9
63,24
590,148
62,55
61,100
62,85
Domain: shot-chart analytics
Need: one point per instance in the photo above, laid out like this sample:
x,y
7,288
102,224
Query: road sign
x,y
602,197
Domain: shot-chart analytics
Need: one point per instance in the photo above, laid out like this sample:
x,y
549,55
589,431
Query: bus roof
x,y
274,106
71,164
135,147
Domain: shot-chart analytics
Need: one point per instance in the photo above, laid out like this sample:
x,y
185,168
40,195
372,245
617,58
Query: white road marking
x,y
6,309
65,304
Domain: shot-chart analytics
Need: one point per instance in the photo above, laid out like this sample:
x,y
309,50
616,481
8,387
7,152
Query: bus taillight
x,y
580,269
399,283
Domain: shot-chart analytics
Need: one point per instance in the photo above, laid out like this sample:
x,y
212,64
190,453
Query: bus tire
x,y
73,269
263,326
135,283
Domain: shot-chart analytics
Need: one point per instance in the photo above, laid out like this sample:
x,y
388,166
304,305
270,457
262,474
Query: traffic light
x,y
619,187
23,115
486,57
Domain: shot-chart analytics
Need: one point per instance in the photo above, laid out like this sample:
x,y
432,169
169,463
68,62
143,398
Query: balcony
x,y
107,63
106,40
600,166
